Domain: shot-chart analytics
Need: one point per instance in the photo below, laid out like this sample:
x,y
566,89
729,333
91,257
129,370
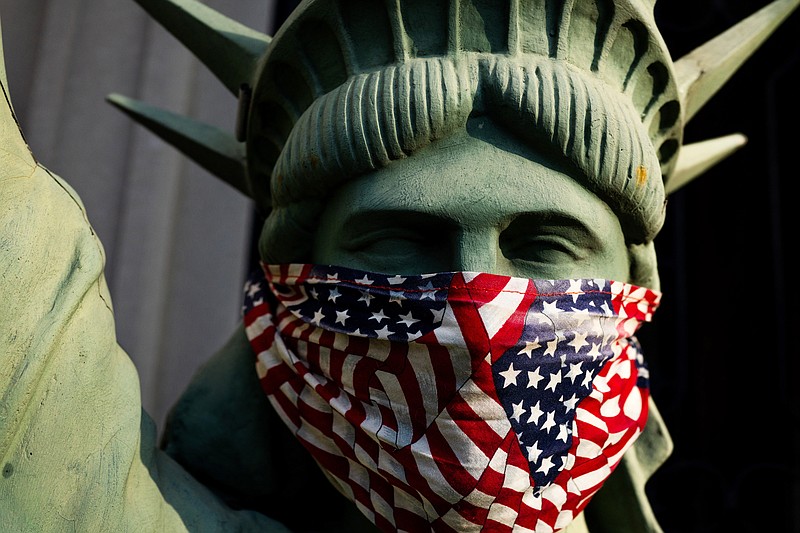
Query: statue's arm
x,y
76,450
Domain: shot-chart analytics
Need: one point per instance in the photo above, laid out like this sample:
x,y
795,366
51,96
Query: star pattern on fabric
x,y
541,381
362,316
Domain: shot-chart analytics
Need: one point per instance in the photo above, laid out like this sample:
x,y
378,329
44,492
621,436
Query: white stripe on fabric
x,y
324,361
478,498
398,404
588,449
593,478
585,416
343,429
459,523
388,466
404,500
564,519
258,326
471,458
516,478
382,507
348,375
495,313
555,494
502,514
486,407
612,460
427,467
340,341
420,359
531,500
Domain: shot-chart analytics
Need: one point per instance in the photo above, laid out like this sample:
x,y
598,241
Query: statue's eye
x,y
545,249
545,240
391,242
397,242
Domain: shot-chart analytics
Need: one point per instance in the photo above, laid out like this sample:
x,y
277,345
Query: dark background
x,y
722,349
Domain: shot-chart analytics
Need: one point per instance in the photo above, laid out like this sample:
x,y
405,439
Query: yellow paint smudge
x,y
641,175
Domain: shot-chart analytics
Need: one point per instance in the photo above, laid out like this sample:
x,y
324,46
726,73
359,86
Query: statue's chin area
x,y
478,200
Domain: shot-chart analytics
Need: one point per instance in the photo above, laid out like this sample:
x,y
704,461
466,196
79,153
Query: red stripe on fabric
x,y
527,516
509,496
483,379
289,320
494,526
368,447
364,376
288,407
408,521
311,359
255,313
339,467
440,526
388,417
441,361
511,332
587,466
513,500
517,456
590,432
475,427
381,486
321,420
445,458
549,513
277,376
410,389
263,342
491,481
468,318
363,370
418,480
382,523
327,390
471,513
335,367
384,490
357,414
485,287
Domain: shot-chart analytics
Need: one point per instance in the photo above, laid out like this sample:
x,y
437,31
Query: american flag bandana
x,y
454,401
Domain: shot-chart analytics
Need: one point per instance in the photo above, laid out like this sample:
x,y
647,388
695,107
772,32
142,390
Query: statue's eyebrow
x,y
388,217
561,221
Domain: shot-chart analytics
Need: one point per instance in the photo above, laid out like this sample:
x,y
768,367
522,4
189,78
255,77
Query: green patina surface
x,y
469,149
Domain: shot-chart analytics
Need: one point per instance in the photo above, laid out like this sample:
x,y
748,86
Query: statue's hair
x,y
335,63
387,114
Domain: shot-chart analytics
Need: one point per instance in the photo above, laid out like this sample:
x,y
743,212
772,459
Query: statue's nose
x,y
477,251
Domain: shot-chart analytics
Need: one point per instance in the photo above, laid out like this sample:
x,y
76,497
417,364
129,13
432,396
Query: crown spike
x,y
702,72
213,149
229,49
694,159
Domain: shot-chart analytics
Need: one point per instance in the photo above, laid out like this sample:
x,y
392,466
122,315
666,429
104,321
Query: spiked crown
x,y
340,45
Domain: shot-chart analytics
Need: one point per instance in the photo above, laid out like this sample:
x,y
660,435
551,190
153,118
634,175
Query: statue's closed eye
x,y
546,240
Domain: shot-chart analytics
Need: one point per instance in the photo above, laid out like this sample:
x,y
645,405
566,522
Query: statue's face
x,y
479,200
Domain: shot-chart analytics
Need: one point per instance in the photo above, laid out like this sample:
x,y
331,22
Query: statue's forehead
x,y
479,177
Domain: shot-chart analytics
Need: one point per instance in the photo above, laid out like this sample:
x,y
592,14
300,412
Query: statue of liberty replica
x,y
460,200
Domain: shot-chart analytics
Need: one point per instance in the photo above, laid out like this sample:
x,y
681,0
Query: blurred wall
x,y
177,240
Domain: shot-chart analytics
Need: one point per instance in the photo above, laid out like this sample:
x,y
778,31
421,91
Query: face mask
x,y
454,401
